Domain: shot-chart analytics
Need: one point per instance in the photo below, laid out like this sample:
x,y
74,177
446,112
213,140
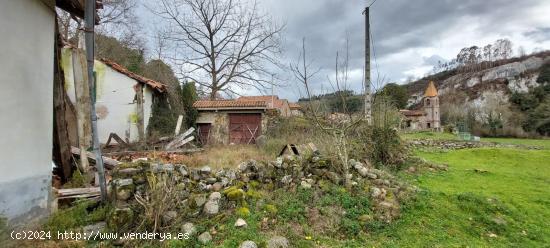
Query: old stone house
x,y
231,121
296,109
428,116
124,100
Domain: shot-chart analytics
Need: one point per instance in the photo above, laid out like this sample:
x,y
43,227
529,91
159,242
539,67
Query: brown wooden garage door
x,y
204,132
244,128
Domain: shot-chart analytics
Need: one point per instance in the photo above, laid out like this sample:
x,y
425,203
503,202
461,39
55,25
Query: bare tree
x,y
338,127
225,43
113,15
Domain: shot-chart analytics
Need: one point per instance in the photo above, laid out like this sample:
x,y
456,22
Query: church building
x,y
428,116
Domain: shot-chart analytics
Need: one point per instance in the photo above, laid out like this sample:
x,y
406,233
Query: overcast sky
x,y
409,36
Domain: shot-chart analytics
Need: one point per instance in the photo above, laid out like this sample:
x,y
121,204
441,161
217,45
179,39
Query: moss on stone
x,y
243,212
235,194
271,209
253,194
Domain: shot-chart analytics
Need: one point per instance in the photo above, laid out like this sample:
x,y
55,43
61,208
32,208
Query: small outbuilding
x,y
231,121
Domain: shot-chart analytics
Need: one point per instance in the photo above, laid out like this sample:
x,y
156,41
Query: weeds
x,y
160,197
84,212
3,228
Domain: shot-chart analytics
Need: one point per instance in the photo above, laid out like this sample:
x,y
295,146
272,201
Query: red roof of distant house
x,y
277,103
258,98
229,104
294,106
154,84
407,112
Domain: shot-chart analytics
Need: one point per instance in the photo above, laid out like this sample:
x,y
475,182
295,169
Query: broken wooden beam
x,y
78,193
117,139
184,151
178,125
181,140
108,162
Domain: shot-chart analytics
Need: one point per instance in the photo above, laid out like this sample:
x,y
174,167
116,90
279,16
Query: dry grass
x,y
225,156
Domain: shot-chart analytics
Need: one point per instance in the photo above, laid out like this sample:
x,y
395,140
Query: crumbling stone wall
x,y
208,192
457,145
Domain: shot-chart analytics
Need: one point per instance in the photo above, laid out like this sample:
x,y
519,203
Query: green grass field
x,y
509,205
506,203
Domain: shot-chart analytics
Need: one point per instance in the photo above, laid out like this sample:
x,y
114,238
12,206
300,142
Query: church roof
x,y
431,91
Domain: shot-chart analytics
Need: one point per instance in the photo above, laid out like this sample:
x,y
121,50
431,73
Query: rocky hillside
x,y
506,77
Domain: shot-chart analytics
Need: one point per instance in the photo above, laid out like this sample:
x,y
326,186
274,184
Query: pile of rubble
x,y
205,191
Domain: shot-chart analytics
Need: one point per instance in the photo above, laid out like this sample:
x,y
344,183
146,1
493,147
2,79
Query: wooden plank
x,y
178,125
78,193
117,139
83,105
186,151
180,140
108,162
61,142
139,111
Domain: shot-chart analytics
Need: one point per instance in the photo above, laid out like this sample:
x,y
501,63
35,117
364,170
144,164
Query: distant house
x,y
231,121
27,59
273,102
117,91
296,109
426,118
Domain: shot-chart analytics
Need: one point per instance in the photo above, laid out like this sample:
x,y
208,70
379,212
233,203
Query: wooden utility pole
x,y
368,97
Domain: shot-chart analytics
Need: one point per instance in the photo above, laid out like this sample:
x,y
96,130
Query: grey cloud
x,y
539,35
397,26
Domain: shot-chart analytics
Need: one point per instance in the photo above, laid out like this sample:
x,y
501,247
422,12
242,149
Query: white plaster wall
x,y
115,95
115,92
26,112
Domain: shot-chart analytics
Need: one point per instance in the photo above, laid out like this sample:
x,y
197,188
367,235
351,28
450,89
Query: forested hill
x,y
507,96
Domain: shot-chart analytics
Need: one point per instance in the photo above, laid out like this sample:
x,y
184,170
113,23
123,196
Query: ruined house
x,y
124,100
29,72
296,109
428,116
231,121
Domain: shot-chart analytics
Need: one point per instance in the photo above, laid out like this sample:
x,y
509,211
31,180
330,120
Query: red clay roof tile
x,y
229,104
160,87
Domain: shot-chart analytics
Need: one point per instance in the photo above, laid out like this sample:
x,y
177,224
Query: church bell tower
x,y
431,108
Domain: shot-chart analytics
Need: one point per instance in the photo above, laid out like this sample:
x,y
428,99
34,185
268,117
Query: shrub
x,y
381,145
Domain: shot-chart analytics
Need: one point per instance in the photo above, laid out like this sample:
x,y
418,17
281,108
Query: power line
x,y
372,3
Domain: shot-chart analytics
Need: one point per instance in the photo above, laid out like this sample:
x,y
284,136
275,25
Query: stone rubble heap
x,y
458,145
207,192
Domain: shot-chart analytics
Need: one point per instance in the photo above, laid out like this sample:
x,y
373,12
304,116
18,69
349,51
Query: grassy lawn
x,y
460,207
